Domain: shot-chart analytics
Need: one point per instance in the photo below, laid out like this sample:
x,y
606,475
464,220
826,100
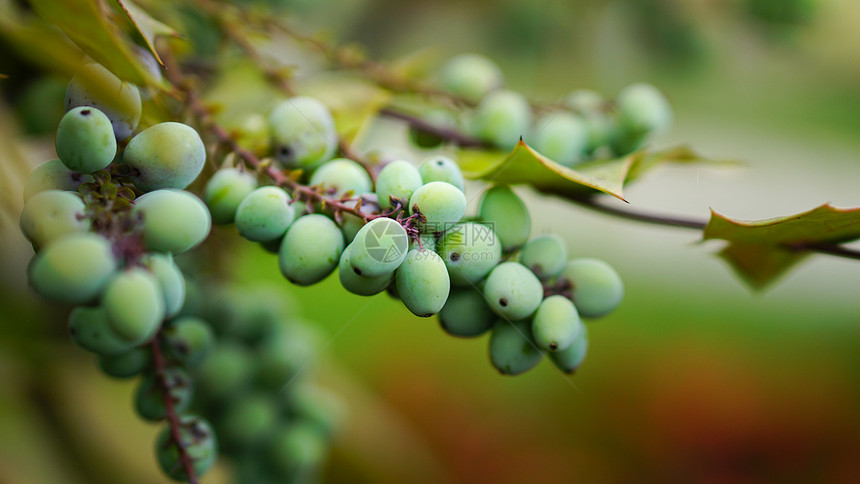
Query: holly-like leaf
x,y
148,27
761,251
524,165
92,25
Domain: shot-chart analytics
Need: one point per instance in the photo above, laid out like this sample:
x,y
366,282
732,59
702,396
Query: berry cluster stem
x,y
170,411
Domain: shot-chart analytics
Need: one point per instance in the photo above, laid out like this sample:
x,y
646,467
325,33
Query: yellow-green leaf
x,y
524,165
761,251
148,27
92,25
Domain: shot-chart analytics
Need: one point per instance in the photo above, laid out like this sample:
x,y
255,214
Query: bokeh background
x,y
694,379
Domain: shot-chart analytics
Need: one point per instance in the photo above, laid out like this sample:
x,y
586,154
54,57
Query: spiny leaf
x,y
524,165
761,251
92,26
148,27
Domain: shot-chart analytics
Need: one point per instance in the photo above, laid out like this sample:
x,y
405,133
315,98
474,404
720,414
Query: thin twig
x,y
448,134
688,223
170,410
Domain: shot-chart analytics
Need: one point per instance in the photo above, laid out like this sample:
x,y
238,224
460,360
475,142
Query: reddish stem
x,y
170,410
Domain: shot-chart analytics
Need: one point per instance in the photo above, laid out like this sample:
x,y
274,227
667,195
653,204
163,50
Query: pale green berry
x,y
73,269
310,250
545,256
225,191
51,215
507,215
512,351
85,140
303,132
512,291
471,76
442,168
470,251
398,179
422,282
341,176
167,155
556,324
440,203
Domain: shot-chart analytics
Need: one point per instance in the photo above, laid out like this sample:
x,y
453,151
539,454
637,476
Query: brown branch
x,y
696,224
170,410
448,134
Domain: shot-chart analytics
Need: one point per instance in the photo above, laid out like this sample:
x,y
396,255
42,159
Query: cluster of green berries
x,y
105,224
585,126
273,424
407,233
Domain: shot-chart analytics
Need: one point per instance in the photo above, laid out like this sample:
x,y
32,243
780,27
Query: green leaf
x,y
524,165
92,25
148,27
761,251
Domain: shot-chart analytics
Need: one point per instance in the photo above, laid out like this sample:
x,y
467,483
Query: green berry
x,y
423,283
441,204
568,360
502,118
361,285
297,449
303,132
561,137
556,324
126,364
512,351
74,269
149,398
545,256
265,214
442,168
135,305
53,175
596,288
341,176
311,250
512,291
170,280
379,248
470,251
471,76
508,216
89,328
466,314
227,369
247,420
225,191
51,215
173,220
85,140
642,108
189,340
198,441
398,179
167,155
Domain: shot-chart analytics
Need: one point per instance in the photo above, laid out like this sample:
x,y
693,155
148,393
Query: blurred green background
x,y
693,379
